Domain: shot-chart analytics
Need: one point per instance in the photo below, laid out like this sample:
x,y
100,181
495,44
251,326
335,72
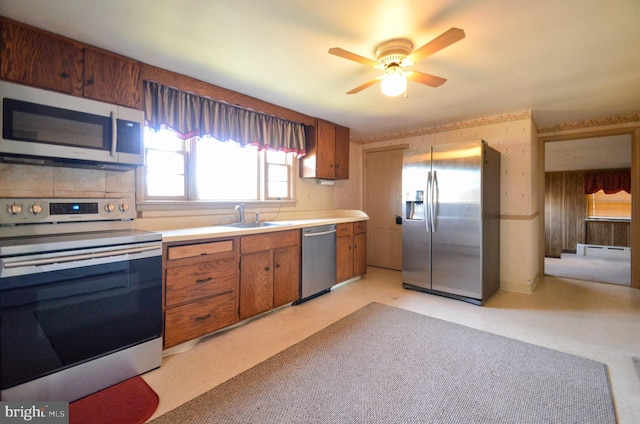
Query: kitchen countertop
x,y
214,231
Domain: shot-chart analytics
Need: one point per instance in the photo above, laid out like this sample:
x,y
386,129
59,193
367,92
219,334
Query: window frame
x,y
190,200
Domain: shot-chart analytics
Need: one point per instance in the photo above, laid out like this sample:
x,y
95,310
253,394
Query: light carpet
x,y
387,365
590,268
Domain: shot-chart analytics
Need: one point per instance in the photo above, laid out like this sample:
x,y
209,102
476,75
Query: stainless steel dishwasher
x,y
318,261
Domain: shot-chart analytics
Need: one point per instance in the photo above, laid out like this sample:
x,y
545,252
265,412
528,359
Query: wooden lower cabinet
x,y
195,319
351,250
269,271
256,283
216,283
344,252
201,289
286,275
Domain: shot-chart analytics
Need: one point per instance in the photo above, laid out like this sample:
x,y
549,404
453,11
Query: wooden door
x,y
383,202
256,283
286,275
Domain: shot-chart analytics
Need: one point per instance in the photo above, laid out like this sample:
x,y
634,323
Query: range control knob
x,y
35,209
124,207
109,207
14,209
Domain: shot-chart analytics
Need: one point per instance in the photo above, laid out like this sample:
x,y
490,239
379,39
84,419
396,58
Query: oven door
x,y
64,309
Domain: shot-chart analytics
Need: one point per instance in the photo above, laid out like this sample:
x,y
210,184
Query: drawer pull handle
x,y
203,280
203,318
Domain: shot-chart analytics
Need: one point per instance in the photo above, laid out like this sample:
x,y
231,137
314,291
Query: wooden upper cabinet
x,y
111,78
325,149
342,153
37,58
41,59
327,155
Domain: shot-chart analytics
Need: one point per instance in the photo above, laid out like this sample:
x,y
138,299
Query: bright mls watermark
x,y
34,412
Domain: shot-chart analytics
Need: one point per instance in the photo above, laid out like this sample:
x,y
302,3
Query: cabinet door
x,y
326,149
111,78
256,283
40,59
342,153
359,254
286,275
344,258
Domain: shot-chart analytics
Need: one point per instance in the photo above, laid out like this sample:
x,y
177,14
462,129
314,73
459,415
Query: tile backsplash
x,y
58,182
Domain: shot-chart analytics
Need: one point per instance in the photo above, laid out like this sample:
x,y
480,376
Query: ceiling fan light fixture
x,y
394,82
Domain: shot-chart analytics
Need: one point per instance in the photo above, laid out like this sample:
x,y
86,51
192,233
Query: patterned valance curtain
x,y
191,115
610,181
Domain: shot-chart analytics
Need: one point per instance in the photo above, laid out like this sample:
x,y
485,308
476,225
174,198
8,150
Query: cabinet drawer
x,y
196,319
344,229
269,241
359,227
191,250
190,282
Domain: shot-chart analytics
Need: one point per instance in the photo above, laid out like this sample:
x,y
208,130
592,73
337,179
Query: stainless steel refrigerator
x,y
451,220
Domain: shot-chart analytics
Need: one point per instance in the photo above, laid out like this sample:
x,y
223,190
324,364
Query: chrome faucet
x,y
240,209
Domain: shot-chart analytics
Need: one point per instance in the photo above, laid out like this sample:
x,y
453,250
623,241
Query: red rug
x,y
129,402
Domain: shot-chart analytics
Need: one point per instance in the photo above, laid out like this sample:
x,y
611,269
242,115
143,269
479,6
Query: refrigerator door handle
x,y
433,201
427,205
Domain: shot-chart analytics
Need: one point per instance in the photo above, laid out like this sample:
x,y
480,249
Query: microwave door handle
x,y
114,134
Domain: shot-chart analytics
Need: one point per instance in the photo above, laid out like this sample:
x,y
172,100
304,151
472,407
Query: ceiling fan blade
x,y
425,79
365,85
440,42
352,56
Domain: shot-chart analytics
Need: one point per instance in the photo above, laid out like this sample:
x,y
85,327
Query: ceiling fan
x,y
394,55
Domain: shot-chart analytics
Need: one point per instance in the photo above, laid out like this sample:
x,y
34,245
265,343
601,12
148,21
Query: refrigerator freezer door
x,y
456,243
416,242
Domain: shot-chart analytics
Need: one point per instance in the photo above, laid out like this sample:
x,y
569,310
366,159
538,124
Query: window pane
x,y
277,173
277,189
162,140
165,174
276,157
226,171
616,205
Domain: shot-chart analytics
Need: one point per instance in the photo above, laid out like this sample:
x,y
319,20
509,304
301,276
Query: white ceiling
x,y
566,61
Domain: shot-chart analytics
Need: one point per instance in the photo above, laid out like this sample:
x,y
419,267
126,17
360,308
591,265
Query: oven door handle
x,y
79,257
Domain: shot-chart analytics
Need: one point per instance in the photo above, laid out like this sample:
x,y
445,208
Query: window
x,y
616,205
203,168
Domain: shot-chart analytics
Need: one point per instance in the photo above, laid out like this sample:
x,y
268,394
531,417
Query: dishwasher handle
x,y
321,233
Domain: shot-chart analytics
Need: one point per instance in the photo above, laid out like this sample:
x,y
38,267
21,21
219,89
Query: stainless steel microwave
x,y
42,127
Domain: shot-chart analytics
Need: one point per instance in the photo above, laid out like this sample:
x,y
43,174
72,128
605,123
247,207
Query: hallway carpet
x,y
590,268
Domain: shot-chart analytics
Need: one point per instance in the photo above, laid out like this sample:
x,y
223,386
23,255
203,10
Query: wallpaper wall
x,y
515,137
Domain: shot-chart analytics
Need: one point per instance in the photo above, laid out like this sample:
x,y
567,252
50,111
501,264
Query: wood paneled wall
x,y
565,212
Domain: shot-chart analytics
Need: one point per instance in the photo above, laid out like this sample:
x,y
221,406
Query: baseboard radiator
x,y
603,251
